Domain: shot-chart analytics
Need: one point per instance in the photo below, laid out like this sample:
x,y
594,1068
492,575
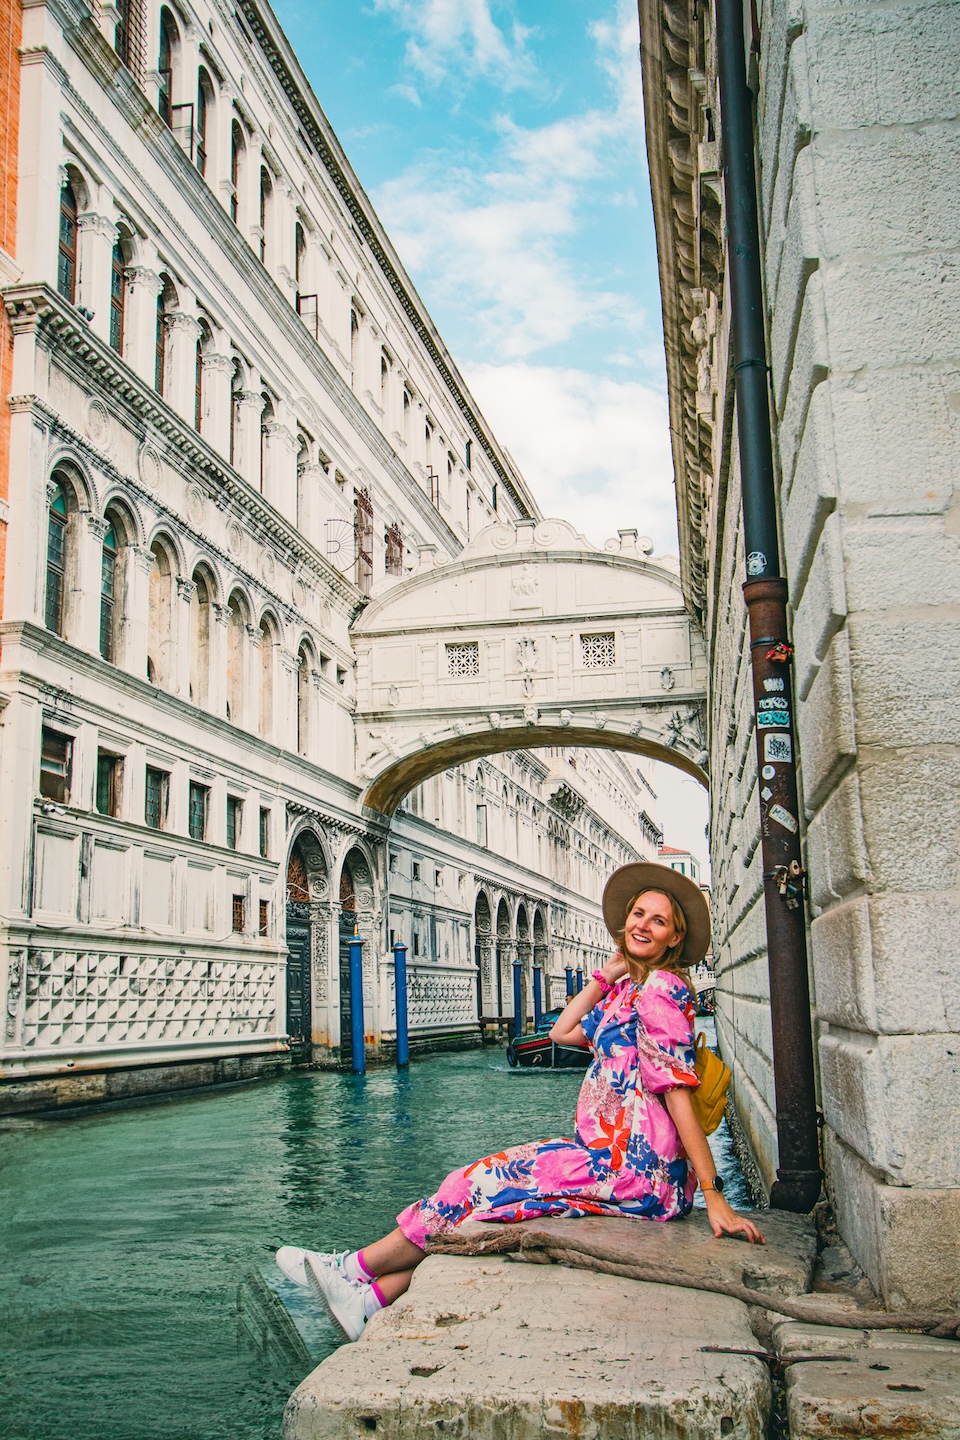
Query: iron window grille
x,y
264,834
156,798
393,540
239,914
264,917
363,537
598,652
197,811
108,783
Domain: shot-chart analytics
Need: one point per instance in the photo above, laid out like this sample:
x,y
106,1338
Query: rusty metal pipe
x,y
799,1175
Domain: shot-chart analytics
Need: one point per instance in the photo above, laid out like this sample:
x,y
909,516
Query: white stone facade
x,y
857,133
231,419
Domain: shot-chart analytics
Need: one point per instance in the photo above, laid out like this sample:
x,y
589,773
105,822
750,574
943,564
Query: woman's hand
x,y
725,1220
615,969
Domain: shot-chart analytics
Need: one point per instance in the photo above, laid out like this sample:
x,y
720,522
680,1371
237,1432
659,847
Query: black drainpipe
x,y
799,1176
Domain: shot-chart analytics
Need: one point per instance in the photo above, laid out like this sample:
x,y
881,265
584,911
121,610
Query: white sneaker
x,y
343,1302
292,1262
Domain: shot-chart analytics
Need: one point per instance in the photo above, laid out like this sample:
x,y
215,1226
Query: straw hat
x,y
631,880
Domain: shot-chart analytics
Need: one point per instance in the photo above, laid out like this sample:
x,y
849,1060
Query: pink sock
x,y
373,1300
354,1268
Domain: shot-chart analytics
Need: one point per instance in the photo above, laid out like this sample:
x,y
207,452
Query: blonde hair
x,y
670,961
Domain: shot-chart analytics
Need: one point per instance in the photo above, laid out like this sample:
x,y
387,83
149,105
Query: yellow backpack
x,y
710,1097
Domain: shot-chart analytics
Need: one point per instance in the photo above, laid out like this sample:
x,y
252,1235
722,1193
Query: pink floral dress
x,y
625,1158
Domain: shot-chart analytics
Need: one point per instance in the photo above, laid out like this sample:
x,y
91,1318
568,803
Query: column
x,y
82,597
249,194
180,364
280,462
180,671
309,506
25,576
219,651
137,600
95,241
246,446
217,398
284,220
287,674
252,680
218,147
140,321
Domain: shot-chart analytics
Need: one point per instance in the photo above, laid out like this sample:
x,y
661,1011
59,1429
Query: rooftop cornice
x,y
275,46
685,186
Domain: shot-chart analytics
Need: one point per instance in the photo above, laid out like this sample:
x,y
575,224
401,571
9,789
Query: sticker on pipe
x,y
768,772
772,683
783,817
778,748
769,718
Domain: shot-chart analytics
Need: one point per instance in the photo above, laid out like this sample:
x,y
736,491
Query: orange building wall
x,y
10,29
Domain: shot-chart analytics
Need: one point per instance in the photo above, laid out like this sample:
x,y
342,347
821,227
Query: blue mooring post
x,y
537,996
569,974
579,981
356,1005
517,998
400,980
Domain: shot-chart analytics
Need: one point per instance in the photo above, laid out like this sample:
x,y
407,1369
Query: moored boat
x,y
536,1049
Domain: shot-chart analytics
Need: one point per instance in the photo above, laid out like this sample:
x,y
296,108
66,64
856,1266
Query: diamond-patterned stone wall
x,y
96,998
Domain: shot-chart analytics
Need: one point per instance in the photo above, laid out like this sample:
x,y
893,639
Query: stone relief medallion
x,y
504,537
148,465
326,616
235,539
268,567
196,506
97,424
299,594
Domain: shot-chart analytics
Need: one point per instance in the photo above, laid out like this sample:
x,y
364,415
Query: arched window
x,y
236,156
236,385
266,192
169,40
266,679
56,561
109,594
160,670
305,668
67,258
267,418
200,641
354,346
117,297
204,97
204,341
236,633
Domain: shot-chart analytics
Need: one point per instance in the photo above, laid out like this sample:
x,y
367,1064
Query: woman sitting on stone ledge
x,y
638,1148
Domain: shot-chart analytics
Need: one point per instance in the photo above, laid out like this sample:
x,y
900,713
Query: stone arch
x,y
203,601
308,668
73,473
269,641
504,959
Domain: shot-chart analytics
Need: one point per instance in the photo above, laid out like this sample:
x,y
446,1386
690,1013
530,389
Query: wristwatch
x,y
717,1185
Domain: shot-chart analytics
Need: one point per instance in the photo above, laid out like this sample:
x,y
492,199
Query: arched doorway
x,y
299,948
356,914
504,962
483,941
524,957
541,957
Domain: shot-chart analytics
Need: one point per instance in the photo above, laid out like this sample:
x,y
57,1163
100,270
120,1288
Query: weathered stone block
x,y
886,191
907,1240
858,317
852,1094
836,853
484,1349
843,966
825,724
906,669
801,365
916,794
873,66
892,561
885,1393
822,607
916,990
872,411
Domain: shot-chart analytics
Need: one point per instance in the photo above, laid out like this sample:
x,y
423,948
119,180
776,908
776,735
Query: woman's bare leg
x,y
392,1286
393,1255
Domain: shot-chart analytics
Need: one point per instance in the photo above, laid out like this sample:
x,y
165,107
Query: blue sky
x,y
501,142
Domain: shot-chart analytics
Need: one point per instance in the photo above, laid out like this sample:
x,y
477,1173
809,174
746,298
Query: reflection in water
x,y
137,1285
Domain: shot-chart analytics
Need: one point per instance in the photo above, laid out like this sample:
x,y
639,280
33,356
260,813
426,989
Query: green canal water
x,y
138,1295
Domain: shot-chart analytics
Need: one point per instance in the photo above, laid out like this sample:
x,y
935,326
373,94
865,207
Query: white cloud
x,y
448,36
595,451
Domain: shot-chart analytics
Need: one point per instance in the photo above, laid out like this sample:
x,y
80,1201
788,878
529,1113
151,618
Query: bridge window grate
x,y
598,652
464,659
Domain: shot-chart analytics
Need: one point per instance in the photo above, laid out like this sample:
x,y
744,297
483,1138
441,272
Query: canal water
x,y
138,1295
